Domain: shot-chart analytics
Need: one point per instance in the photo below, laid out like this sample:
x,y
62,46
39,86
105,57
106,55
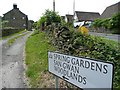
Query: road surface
x,y
12,64
114,37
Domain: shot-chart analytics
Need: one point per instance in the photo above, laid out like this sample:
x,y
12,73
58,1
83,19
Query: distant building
x,y
63,17
85,16
69,18
16,19
30,23
111,10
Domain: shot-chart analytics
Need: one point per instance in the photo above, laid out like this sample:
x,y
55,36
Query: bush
x,y
9,31
49,17
75,43
112,23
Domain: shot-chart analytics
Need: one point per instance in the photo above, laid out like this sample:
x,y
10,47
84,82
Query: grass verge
x,y
37,47
11,41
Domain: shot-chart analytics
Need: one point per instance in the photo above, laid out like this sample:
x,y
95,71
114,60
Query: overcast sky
x,y
35,8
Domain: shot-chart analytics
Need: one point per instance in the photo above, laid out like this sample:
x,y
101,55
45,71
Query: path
x,y
114,37
11,64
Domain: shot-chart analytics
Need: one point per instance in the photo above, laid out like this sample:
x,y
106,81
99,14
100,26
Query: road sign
x,y
82,72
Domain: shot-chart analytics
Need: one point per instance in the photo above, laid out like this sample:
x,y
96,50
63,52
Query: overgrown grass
x,y
37,47
11,41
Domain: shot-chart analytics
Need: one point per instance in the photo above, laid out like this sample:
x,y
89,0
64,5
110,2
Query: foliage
x,y
83,30
40,21
49,17
35,25
115,22
112,23
70,42
4,23
75,43
97,23
106,23
10,31
36,49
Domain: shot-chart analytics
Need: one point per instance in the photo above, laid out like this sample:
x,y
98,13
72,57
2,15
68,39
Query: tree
x,y
106,23
49,17
97,23
115,22
40,21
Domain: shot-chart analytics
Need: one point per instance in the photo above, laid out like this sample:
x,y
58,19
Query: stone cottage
x,y
111,10
16,19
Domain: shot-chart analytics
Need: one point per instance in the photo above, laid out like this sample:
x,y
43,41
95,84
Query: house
x,y
63,17
69,18
16,19
30,23
111,10
80,16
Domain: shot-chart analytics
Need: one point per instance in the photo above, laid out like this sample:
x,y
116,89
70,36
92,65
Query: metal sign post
x,y
56,83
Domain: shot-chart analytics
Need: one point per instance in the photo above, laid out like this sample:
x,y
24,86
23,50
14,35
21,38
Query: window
x,y
13,17
23,17
24,24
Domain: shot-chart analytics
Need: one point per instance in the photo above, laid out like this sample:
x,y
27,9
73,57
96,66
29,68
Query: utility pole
x,y
54,5
73,7
73,10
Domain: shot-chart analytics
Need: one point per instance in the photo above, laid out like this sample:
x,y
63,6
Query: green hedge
x,y
9,31
75,43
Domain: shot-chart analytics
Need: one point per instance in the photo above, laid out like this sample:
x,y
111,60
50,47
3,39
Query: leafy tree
x,y
105,23
112,23
97,23
115,22
40,21
51,17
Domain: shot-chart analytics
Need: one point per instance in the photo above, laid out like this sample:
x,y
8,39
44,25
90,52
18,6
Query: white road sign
x,y
82,72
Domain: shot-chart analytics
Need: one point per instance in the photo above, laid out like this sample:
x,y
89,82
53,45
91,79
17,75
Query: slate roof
x,y
87,15
111,10
14,10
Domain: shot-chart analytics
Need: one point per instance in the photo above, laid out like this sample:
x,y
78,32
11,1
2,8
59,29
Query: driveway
x,y
114,37
12,64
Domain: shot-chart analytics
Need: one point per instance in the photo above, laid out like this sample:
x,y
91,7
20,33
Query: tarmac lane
x,y
12,64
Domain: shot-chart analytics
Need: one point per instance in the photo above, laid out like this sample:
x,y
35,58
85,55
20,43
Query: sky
x,y
35,8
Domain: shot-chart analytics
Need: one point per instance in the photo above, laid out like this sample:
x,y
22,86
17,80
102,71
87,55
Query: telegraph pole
x,y
73,7
54,5
73,11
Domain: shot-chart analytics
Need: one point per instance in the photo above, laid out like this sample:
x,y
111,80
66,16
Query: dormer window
x,y
23,17
13,17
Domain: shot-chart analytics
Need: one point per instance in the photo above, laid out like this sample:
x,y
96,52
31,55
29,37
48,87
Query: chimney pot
x,y
14,6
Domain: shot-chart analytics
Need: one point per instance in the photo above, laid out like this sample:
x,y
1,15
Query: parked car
x,y
77,24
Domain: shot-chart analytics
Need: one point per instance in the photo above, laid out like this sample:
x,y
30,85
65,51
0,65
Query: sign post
x,y
57,83
82,72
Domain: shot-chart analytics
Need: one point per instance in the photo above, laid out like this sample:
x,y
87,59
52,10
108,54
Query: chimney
x,y
15,6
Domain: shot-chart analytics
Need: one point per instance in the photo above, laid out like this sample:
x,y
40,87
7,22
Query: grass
x,y
11,41
37,47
